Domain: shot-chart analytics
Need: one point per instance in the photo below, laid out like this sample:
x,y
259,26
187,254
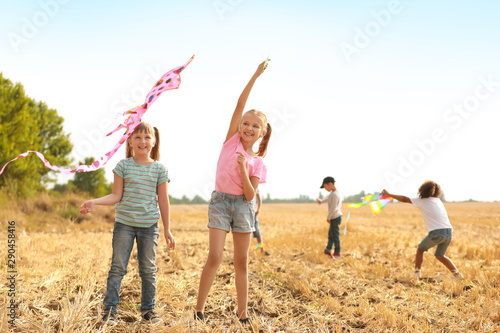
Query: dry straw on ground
x,y
62,266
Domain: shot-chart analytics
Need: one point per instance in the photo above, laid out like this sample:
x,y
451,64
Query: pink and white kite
x,y
170,80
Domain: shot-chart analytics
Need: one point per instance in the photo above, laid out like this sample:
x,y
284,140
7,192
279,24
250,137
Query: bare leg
x,y
217,237
448,263
241,245
419,258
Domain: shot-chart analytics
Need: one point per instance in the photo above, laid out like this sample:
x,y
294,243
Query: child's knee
x,y
214,258
240,262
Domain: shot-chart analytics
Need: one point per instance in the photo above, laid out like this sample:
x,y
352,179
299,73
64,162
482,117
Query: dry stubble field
x,y
62,268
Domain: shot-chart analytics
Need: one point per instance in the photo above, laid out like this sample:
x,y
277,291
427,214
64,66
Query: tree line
x,y
27,124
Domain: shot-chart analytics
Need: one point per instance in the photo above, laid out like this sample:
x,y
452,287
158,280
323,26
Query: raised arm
x,y
242,101
401,198
110,199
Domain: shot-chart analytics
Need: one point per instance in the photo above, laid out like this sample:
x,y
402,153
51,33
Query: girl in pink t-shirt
x,y
240,170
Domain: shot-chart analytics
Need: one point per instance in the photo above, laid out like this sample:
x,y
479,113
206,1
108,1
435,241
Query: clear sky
x,y
378,94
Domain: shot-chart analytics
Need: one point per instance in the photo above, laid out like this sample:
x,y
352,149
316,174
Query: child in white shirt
x,y
437,222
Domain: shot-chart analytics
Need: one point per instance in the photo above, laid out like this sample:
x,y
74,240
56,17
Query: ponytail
x,y
155,152
265,141
129,152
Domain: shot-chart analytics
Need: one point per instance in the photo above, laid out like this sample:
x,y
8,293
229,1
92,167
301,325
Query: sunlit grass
x,y
62,266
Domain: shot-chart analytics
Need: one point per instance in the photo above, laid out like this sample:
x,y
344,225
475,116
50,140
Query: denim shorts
x,y
226,211
441,238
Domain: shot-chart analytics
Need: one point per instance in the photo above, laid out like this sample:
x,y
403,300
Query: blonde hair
x,y
148,129
267,130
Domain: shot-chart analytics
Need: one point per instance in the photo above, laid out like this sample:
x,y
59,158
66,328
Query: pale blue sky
x,y
369,92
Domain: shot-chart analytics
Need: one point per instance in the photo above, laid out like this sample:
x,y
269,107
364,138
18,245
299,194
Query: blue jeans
x,y
123,242
334,235
256,233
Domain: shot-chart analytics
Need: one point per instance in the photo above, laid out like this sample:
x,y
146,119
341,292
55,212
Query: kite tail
x,y
117,129
345,227
170,80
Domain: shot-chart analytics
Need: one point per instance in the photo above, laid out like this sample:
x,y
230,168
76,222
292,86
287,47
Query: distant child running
x,y
239,172
437,222
140,192
256,234
334,217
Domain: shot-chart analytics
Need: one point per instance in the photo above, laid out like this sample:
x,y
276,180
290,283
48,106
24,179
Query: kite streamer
x,y
377,202
170,80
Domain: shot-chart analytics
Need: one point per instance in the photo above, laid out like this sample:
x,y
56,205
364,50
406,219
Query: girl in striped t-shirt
x,y
140,192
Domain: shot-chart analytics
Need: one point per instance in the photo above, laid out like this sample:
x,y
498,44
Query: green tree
x,y
55,145
198,200
93,182
26,124
185,200
173,200
355,197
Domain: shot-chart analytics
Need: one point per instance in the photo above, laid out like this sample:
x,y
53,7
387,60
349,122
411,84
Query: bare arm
x,y
242,101
164,203
110,199
249,185
401,198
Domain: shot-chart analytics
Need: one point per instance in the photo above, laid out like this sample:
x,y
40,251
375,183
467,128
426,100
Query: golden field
x,y
62,265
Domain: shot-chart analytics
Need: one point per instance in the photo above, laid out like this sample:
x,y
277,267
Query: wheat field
x,y
62,265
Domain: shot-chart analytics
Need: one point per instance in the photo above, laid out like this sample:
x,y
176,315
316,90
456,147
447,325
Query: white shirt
x,y
334,203
433,213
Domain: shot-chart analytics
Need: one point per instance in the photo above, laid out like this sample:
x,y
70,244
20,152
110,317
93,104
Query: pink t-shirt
x,y
228,177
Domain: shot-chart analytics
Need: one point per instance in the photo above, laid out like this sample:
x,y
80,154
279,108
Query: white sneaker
x,y
458,275
416,274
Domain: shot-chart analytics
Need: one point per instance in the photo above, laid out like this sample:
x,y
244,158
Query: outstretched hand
x,y
87,207
384,192
262,67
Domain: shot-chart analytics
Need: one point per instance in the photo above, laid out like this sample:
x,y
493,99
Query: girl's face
x,y
251,128
141,143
